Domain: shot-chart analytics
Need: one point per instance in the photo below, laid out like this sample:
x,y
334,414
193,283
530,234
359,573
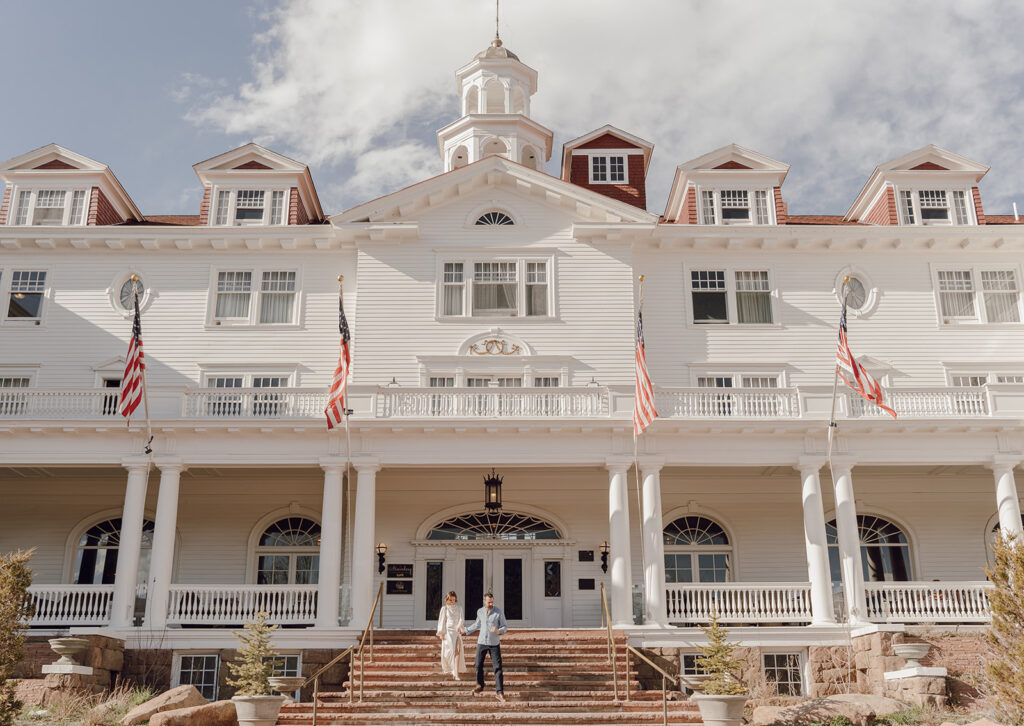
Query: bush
x,y
718,659
257,659
1004,673
15,610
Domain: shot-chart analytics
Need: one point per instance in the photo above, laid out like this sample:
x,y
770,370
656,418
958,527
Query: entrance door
x,y
501,572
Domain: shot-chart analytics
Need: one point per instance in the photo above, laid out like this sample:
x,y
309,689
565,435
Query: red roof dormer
x,y
611,162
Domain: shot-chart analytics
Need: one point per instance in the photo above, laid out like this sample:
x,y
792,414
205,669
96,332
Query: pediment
x,y
52,157
735,158
250,157
934,158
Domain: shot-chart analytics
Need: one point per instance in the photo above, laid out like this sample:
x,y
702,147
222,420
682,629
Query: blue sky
x,y
356,89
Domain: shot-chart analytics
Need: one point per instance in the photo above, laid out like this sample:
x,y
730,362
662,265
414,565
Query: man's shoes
x,y
500,697
478,690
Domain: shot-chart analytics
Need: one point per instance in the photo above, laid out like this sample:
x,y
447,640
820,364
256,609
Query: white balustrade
x,y
71,605
234,604
739,602
929,602
728,403
42,403
925,403
492,402
257,403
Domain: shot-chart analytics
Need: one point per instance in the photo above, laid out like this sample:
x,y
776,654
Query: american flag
x,y
853,373
643,404
336,405
134,369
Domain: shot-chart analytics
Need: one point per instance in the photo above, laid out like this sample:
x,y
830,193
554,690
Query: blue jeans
x,y
495,651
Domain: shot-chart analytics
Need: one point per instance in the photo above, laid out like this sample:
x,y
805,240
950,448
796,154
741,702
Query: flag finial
x,y
641,278
135,278
341,278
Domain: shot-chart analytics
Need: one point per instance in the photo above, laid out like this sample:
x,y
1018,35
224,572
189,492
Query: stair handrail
x,y
665,675
606,622
315,678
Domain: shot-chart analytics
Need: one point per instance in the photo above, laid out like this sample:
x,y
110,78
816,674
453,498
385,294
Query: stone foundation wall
x,y
962,654
106,656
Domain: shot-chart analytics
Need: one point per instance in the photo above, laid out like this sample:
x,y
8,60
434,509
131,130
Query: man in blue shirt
x,y
490,621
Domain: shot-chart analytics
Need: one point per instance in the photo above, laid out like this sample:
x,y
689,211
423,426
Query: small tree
x,y
15,610
1004,673
718,659
256,658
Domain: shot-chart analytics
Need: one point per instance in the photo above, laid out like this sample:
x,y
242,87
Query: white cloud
x,y
357,89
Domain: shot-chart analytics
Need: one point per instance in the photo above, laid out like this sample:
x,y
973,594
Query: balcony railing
x,y
256,403
234,604
43,403
926,403
729,403
71,605
739,602
929,602
492,402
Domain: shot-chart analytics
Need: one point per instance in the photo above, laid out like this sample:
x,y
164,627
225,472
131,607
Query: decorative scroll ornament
x,y
494,346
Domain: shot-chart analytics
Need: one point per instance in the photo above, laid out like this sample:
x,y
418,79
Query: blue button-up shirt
x,y
484,622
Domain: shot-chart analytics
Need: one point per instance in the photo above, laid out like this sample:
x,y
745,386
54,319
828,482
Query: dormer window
x,y
733,206
50,207
244,207
608,169
933,206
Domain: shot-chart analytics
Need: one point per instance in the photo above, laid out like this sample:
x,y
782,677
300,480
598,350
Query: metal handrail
x,y
606,622
664,675
315,678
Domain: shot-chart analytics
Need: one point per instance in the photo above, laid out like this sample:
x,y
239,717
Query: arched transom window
x,y
494,217
884,550
288,553
494,525
96,557
697,549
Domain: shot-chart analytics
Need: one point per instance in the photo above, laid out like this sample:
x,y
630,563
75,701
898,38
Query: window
x,y
856,293
25,301
959,303
288,665
243,207
934,206
288,553
552,578
697,549
500,525
277,293
733,206
741,296
690,668
546,381
608,169
199,670
884,550
230,403
126,295
277,207
782,671
494,218
51,207
96,556
496,288
12,401
249,207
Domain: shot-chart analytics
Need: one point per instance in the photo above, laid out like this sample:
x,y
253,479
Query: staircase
x,y
551,677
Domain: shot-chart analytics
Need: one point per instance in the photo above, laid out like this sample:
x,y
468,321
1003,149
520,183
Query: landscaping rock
x,y
218,713
881,705
810,712
31,691
176,698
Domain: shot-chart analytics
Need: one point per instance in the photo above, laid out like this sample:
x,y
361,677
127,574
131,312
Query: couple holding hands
x,y
490,621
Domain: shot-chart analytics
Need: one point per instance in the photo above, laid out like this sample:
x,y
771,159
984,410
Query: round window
x,y
128,291
856,293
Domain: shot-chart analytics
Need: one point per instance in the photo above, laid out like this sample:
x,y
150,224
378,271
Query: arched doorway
x,y
884,550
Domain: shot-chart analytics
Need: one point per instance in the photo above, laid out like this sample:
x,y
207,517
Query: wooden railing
x,y
234,604
929,602
54,403
665,678
613,656
71,605
967,402
257,403
402,402
739,602
729,403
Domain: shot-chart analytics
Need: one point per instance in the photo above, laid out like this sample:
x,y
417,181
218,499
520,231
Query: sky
x,y
358,88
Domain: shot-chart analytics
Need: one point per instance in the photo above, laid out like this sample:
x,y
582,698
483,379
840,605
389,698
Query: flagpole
x,y
348,467
636,469
148,448
835,391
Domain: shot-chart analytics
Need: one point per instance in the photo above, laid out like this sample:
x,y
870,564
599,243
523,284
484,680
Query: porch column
x,y
122,609
162,557
1007,501
849,542
620,596
654,546
363,530
817,545
329,584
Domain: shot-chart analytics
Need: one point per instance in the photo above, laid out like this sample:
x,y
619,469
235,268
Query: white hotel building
x,y
492,310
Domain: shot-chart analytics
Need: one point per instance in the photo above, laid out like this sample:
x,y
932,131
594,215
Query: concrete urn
x,y
257,710
286,685
913,652
68,648
720,710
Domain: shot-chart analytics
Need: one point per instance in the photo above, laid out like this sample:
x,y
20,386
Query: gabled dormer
x,y
609,161
731,185
253,186
55,187
927,186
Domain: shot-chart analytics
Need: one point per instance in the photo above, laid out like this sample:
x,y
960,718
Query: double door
x,y
505,573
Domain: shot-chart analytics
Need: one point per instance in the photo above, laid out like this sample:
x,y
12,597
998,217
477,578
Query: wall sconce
x,y
605,549
382,550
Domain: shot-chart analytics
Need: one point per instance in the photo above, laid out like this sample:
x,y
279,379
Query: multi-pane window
x,y
782,671
250,207
234,289
277,293
907,207
607,169
26,295
495,285
288,553
51,207
77,207
710,304
969,380
546,381
707,207
290,666
223,207
277,296
999,302
200,671
453,288
753,297
24,204
697,549
495,288
934,206
761,207
884,550
744,296
960,207
229,402
441,404
734,206
277,207
1000,293
536,288
1015,378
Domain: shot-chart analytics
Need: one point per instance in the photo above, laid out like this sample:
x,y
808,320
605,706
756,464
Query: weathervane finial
x,y
497,12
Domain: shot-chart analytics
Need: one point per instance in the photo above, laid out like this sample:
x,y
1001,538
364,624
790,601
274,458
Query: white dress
x,y
453,659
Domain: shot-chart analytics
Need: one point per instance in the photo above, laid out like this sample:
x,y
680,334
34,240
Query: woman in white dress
x,y
449,627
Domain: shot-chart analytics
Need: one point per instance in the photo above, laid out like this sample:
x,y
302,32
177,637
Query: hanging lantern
x,y
492,492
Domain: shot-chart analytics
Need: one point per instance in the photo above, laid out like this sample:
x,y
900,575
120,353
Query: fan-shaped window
x,y
884,550
96,558
697,549
494,525
495,218
288,553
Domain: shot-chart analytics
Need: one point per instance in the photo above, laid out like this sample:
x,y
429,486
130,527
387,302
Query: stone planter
x,y
720,710
693,681
257,710
913,652
286,685
68,648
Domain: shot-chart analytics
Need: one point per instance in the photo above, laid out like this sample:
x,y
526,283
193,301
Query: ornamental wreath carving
x,y
493,346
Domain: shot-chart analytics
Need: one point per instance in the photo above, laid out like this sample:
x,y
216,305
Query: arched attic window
x,y
697,549
884,550
494,217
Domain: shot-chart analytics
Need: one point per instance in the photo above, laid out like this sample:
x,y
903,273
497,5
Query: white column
x,y
620,575
126,578
363,532
849,542
162,559
654,546
1007,501
327,591
817,545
